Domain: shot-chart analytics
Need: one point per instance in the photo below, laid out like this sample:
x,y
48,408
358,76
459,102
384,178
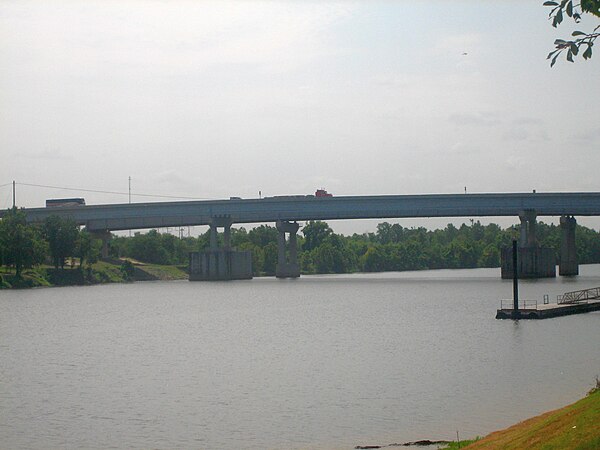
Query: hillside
x,y
576,426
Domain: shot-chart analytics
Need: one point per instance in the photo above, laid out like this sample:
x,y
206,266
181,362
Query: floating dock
x,y
577,302
551,310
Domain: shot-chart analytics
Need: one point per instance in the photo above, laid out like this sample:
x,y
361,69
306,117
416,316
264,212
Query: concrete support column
x,y
523,233
104,236
568,251
528,226
281,259
287,267
293,248
213,237
224,222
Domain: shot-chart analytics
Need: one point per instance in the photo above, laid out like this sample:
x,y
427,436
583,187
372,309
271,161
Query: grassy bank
x,y
576,426
114,271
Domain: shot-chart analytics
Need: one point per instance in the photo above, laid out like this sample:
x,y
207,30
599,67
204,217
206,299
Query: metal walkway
x,y
578,296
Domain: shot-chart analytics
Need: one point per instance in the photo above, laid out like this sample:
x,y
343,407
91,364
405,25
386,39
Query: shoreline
x,y
572,426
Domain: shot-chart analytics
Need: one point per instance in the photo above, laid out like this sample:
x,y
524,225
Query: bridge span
x,y
285,210
127,216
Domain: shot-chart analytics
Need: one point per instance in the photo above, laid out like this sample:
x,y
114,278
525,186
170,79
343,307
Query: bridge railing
x,y
581,296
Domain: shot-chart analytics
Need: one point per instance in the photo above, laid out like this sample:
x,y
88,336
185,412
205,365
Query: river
x,y
319,362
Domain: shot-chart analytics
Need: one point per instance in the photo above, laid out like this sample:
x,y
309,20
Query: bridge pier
x,y
533,261
224,222
105,237
528,226
220,263
287,265
568,265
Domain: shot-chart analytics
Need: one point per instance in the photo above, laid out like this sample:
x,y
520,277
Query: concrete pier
x,y
533,261
223,263
528,225
287,261
105,237
220,265
224,222
568,265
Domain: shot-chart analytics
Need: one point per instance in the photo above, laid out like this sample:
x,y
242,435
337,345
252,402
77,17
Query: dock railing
x,y
578,296
523,304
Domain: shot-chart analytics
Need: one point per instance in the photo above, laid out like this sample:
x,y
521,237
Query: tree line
x,y
391,247
23,245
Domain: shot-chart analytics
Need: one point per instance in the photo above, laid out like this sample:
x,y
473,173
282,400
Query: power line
x,y
7,184
109,192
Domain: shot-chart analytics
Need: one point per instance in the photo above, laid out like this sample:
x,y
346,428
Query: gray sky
x,y
219,99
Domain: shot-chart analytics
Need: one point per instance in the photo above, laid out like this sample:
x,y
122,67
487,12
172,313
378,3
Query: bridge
x,y
286,211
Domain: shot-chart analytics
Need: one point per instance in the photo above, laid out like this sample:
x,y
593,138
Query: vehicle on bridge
x,y
322,193
62,202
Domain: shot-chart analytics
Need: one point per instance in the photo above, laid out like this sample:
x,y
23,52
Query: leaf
x,y
559,42
570,56
550,4
588,53
570,9
554,59
578,33
573,48
557,18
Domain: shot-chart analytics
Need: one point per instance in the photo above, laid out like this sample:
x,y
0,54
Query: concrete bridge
x,y
286,210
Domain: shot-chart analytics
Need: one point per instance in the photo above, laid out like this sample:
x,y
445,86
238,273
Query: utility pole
x,y
130,198
14,196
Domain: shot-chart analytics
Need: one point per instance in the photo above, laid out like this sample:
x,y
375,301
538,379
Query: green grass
x,y
101,272
459,444
573,427
164,272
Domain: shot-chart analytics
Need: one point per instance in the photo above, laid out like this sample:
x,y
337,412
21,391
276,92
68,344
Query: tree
x,y
262,235
61,235
582,39
20,243
270,258
149,248
315,233
87,248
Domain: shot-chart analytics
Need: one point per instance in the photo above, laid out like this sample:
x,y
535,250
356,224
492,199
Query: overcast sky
x,y
219,99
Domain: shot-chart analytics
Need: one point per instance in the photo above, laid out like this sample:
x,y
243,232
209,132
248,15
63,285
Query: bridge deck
x,y
306,207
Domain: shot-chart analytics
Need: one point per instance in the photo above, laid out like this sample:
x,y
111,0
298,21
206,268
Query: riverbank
x,y
101,272
573,427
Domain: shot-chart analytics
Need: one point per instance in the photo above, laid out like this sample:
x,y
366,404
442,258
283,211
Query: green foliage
x,y
459,444
21,245
62,235
263,235
391,248
87,249
269,258
156,248
394,248
572,47
315,233
127,270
